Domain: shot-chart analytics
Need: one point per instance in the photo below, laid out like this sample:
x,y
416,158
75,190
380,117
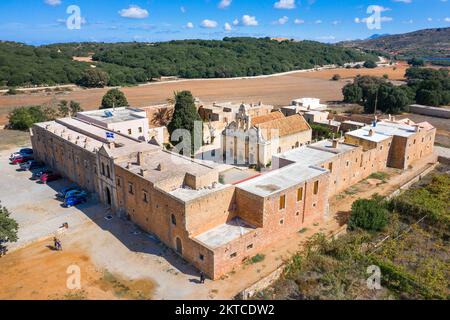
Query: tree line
x,y
132,63
424,86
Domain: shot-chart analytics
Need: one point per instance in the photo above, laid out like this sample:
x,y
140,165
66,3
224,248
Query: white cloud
x,y
282,20
249,20
364,20
134,12
53,2
285,4
235,22
318,21
299,21
336,22
183,9
227,27
224,4
210,24
430,19
447,19
404,1
190,25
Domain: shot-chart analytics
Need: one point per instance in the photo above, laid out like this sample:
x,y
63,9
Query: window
x,y
250,246
130,132
201,257
140,129
279,150
381,148
119,183
233,255
330,166
300,194
174,219
108,171
316,187
414,141
282,221
145,196
130,188
348,163
103,168
282,202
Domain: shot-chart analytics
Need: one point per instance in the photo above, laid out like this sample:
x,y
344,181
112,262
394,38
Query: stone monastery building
x,y
216,226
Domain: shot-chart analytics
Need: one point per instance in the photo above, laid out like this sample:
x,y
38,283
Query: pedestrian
x,y
59,245
202,278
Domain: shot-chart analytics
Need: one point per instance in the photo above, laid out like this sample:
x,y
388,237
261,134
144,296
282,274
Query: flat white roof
x,y
281,179
225,233
364,134
393,129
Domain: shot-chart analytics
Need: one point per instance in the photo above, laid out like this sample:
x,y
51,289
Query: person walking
x,y
202,278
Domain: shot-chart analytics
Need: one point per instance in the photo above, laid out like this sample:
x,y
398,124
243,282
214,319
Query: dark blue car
x,y
62,194
73,201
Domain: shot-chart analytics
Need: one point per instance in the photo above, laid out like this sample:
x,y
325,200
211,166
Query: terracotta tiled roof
x,y
267,118
286,126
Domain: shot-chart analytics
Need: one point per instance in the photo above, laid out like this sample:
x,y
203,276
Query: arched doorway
x,y
179,246
108,196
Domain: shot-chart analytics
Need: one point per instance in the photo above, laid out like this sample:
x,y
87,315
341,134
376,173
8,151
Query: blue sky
x,y
44,21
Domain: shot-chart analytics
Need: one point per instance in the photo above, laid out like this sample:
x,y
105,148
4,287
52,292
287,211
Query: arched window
x,y
108,171
103,168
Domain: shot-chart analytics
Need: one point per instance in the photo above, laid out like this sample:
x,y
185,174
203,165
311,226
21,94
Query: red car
x,y
22,159
48,177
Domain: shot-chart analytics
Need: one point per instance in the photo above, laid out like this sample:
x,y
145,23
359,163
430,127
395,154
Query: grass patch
x,y
256,259
383,176
303,230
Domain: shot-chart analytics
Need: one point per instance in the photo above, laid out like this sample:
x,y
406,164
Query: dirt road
x,y
276,90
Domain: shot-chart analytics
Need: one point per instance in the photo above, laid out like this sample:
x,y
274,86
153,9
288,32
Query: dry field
x,y
39,273
276,90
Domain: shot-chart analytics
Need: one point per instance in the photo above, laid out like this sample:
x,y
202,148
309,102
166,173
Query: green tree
x,y
94,78
8,228
368,215
370,64
63,108
184,117
75,107
114,98
428,97
24,117
416,62
352,93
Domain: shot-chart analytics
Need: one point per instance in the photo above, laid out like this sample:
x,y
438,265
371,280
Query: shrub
x,y
23,118
256,259
114,98
336,77
370,64
368,215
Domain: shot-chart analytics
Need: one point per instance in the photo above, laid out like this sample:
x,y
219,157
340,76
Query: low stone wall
x,y
430,111
261,284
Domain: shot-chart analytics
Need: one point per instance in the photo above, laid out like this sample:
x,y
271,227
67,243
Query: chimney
x,y
335,143
140,158
416,128
128,165
143,172
111,145
160,167
371,133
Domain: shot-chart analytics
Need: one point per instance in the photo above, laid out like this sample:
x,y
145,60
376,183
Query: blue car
x,y
73,201
76,193
62,194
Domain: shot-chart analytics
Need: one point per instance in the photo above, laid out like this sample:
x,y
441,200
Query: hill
x,y
132,63
428,43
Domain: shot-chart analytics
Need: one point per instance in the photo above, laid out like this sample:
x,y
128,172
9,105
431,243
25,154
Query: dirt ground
x,y
276,90
37,272
13,138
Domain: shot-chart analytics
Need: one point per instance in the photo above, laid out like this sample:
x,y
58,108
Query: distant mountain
x,y
376,36
422,44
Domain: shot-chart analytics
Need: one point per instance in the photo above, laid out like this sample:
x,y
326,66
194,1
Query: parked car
x,y
22,159
38,174
32,165
62,194
48,177
76,193
21,152
73,201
